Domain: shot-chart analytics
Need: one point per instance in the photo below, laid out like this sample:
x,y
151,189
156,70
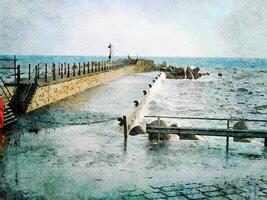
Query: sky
x,y
180,28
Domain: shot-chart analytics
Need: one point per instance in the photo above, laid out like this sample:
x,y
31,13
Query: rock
x,y
158,123
185,137
196,70
155,136
196,73
169,75
241,126
220,74
165,69
189,73
137,130
207,73
180,72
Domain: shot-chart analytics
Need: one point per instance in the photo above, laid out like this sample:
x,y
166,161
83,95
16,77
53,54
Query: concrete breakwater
x,y
136,117
31,94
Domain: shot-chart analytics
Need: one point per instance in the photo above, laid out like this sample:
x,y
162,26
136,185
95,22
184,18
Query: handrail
x,y
4,92
207,118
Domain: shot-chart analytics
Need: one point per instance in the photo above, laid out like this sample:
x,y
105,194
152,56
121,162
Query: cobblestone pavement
x,y
246,188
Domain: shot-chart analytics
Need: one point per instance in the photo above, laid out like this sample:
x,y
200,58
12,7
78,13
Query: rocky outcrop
x,y
241,126
189,73
161,136
180,73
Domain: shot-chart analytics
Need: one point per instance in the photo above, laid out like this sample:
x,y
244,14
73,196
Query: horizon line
x,y
164,56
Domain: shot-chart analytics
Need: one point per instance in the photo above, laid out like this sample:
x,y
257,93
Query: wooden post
x,y
265,142
61,70
29,71
84,68
18,75
74,69
227,137
45,72
125,128
65,70
54,71
79,69
68,73
38,71
88,69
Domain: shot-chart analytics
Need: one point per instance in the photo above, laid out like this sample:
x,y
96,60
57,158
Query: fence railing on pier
x,y
226,132
48,73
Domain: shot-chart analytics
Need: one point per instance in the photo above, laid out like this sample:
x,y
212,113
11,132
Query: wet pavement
x,y
248,188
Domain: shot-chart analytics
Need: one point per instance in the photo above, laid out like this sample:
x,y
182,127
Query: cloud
x,y
244,31
161,27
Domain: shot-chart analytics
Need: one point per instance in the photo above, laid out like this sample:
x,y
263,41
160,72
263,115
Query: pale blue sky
x,y
236,28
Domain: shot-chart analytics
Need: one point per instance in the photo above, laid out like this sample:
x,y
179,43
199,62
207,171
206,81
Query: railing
x,y
66,70
5,91
215,132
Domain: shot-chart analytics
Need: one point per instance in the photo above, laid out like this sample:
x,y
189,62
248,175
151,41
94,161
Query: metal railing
x,y
213,131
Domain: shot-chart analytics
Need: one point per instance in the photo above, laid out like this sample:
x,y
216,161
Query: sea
x,y
74,149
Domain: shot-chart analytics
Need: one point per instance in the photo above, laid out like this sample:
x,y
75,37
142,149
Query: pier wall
x,y
51,93
136,117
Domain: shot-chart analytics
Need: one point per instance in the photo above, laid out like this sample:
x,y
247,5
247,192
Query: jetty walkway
x,y
37,86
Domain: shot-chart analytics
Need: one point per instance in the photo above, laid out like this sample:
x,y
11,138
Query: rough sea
x,y
79,153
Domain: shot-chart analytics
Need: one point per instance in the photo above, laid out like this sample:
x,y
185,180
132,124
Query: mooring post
x,y
227,137
54,71
65,70
73,68
36,73
125,128
79,69
68,73
45,72
18,75
29,71
88,67
84,68
61,71
92,68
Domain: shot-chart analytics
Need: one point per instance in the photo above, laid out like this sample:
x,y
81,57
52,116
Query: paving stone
x,y
233,191
168,188
177,198
189,191
155,196
207,189
171,193
134,197
218,198
214,194
196,196
234,197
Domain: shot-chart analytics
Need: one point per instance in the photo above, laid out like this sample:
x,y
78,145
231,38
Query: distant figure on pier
x,y
110,51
